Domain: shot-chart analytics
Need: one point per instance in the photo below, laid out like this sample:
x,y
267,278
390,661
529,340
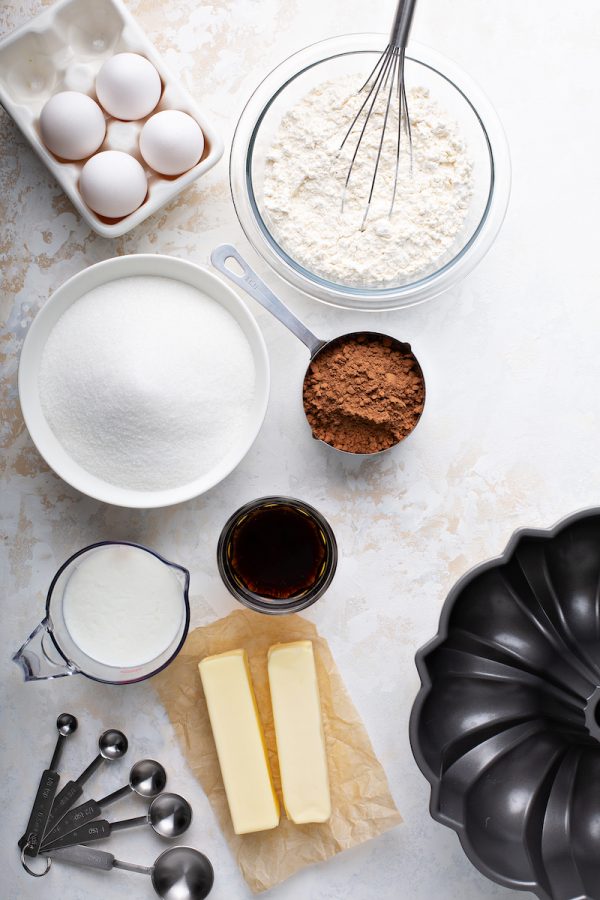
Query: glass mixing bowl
x,y
455,92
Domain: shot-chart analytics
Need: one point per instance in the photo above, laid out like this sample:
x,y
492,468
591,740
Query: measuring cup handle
x,y
97,830
74,818
35,660
83,856
255,287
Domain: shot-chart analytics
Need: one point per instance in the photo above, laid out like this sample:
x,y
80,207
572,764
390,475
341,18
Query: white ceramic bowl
x,y
44,438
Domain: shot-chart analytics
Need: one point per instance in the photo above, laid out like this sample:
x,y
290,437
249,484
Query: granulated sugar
x,y
147,382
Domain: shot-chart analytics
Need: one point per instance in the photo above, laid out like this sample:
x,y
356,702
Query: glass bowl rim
x,y
314,286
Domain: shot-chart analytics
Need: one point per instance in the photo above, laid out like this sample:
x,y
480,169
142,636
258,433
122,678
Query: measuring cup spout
x,y
256,288
35,659
182,575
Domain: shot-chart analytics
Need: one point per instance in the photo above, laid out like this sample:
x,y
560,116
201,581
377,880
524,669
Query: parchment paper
x,y
362,806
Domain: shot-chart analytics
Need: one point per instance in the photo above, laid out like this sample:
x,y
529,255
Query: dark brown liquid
x,y
277,551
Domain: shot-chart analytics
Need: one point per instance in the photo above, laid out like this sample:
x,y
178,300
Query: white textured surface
x,y
509,437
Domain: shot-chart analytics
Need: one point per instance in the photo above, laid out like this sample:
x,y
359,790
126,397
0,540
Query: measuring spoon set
x,y
56,827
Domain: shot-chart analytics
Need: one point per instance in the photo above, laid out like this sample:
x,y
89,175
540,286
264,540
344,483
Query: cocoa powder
x,y
363,393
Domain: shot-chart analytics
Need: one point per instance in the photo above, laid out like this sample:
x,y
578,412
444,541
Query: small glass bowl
x,y
450,86
268,605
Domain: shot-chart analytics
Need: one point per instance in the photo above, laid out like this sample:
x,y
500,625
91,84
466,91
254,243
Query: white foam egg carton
x,y
62,49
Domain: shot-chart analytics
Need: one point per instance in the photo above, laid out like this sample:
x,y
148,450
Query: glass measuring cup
x,y
50,651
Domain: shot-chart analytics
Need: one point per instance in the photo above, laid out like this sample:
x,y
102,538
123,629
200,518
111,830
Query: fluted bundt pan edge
x,y
506,725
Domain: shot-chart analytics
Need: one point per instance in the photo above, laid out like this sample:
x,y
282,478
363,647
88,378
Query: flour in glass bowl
x,y
304,185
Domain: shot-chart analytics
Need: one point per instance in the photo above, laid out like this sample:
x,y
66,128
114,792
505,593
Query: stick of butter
x,y
299,732
240,741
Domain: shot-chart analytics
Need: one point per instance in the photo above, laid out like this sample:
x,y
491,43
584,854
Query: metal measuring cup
x,y
256,288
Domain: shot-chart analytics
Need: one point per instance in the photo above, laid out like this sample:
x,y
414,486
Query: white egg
x,y
72,125
128,86
113,184
171,142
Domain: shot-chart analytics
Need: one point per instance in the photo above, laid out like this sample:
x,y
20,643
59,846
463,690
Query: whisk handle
x,y
402,23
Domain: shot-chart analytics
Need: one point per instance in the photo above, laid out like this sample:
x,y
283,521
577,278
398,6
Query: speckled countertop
x,y
510,435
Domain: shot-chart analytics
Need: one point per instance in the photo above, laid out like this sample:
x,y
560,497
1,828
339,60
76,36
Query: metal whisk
x,y
388,74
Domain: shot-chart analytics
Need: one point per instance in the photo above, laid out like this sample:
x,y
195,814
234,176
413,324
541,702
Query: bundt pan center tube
x,y
506,725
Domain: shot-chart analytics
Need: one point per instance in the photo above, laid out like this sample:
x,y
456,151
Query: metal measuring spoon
x,y
146,778
256,288
112,745
40,813
169,815
180,873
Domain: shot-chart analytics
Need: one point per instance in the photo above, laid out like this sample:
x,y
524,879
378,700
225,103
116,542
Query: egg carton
x,y
63,49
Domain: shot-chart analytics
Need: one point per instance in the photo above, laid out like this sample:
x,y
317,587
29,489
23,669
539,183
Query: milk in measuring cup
x,y
122,605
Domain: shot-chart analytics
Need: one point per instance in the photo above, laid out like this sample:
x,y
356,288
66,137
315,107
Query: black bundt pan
x,y
506,726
